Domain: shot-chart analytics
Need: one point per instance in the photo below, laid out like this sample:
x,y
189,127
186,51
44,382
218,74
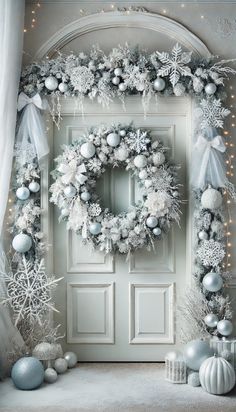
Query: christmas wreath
x,y
85,160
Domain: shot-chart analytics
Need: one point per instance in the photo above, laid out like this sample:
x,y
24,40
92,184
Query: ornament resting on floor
x,y
74,191
50,375
27,373
60,365
193,379
44,351
71,359
217,376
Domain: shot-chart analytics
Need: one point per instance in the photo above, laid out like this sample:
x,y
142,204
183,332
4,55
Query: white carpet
x,y
113,388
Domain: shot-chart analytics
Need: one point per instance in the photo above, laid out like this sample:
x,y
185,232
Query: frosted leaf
x,y
137,141
212,113
211,253
174,64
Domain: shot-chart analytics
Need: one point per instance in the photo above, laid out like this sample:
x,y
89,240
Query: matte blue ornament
x,y
27,373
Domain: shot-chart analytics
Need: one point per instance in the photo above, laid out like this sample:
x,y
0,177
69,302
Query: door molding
x,y
114,19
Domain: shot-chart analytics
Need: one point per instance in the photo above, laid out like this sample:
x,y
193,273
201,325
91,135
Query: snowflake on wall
x,y
138,141
212,113
174,64
211,253
29,290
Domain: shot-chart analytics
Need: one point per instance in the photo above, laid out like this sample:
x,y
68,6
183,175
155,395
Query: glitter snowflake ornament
x,y
212,113
95,209
211,253
29,290
174,64
138,141
82,78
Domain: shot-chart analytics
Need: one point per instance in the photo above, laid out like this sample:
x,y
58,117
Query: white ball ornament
x,y
71,359
212,282
87,150
34,187
159,84
122,87
225,327
140,161
156,231
22,243
148,183
211,320
95,228
122,133
51,83
50,375
22,193
217,376
203,235
143,174
85,196
195,352
63,87
211,199
113,139
210,88
65,212
60,365
175,194
159,159
151,221
70,191
118,71
115,80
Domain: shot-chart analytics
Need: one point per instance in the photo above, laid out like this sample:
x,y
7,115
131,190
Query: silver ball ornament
x,y
140,161
65,212
113,139
193,379
212,282
70,191
22,193
27,373
159,84
122,87
51,83
151,221
85,196
71,359
87,150
211,199
50,375
225,327
203,235
34,187
60,365
22,243
195,352
211,320
95,228
115,80
63,87
210,88
122,133
118,71
156,231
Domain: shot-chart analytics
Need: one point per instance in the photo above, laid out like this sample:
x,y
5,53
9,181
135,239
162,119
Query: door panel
x,y
114,309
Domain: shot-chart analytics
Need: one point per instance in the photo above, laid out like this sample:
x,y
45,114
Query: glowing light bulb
x,y
229,244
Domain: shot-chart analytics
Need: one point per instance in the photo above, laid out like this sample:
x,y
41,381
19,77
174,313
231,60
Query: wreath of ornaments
x,y
85,160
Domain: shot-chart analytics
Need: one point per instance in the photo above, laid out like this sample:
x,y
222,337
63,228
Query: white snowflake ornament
x,y
82,78
211,253
212,113
137,141
174,64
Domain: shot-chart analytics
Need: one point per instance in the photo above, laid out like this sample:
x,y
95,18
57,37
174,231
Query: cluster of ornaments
x,y
213,373
45,364
22,242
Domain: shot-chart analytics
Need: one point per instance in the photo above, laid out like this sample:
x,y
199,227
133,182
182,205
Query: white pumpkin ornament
x,y
211,199
63,87
87,150
69,191
217,376
140,161
22,193
51,83
210,88
34,187
159,159
113,139
22,243
159,84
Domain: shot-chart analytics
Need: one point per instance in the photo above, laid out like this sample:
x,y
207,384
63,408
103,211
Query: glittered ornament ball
x,y
87,150
225,327
71,359
195,352
193,379
159,84
211,199
22,243
34,187
158,158
51,83
212,282
113,139
50,375
60,365
27,373
22,193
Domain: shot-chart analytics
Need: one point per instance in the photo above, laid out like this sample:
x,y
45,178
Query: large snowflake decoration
x,y
82,78
94,165
95,209
212,113
29,290
138,141
158,203
211,253
174,64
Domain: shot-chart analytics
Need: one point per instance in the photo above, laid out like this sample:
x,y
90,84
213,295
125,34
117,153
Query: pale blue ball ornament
x,y
27,373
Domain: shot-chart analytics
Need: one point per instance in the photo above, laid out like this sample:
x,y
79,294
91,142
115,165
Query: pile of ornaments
x,y
45,364
214,373
22,242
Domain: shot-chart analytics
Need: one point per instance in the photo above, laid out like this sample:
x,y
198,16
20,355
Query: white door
x,y
111,309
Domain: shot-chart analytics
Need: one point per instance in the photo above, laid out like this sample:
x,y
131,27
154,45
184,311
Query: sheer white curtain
x,y
11,43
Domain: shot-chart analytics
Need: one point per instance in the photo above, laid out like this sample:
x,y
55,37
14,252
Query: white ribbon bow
x,y
71,170
23,100
216,143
